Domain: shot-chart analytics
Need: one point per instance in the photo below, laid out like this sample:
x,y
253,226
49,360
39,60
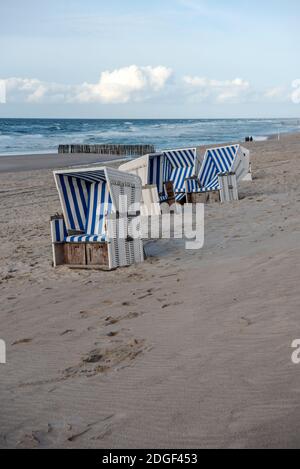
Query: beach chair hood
x,y
168,166
88,195
233,158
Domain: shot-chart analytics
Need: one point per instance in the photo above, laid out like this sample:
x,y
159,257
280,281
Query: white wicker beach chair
x,y
100,206
160,168
230,160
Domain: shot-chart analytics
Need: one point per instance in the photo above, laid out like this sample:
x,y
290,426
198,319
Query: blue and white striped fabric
x,y
167,169
181,158
157,171
163,198
167,176
216,161
58,230
74,193
192,186
99,206
85,239
179,197
182,164
160,170
89,176
86,202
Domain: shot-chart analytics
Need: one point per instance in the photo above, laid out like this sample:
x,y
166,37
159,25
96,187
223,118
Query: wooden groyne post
x,y
108,149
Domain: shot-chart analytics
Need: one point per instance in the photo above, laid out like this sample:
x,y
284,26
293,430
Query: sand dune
x,y
189,349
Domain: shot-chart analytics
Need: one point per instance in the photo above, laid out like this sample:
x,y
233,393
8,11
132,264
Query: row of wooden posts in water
x,y
107,149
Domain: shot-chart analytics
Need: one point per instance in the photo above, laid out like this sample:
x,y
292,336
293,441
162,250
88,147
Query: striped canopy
x,y
168,166
216,161
179,166
86,201
156,171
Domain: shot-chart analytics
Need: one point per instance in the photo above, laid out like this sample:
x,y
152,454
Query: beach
x,y
191,349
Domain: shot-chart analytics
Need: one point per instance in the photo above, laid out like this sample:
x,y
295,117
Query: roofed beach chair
x,y
218,163
180,166
163,169
99,208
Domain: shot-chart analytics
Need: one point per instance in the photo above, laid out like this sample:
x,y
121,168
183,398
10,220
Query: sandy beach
x,y
23,163
191,349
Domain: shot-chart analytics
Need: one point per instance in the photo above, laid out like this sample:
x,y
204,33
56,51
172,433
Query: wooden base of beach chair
x,y
74,253
58,254
204,197
85,255
97,254
214,197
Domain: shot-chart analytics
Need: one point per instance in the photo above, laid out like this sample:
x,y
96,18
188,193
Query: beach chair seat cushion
x,y
163,198
86,239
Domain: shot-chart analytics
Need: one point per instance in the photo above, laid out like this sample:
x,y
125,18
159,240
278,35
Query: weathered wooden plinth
x,y
81,255
204,197
107,149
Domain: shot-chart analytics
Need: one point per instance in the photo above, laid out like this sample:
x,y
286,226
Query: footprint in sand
x,y
78,435
247,322
75,431
168,275
132,315
29,440
149,293
68,331
168,305
100,360
111,321
127,303
113,334
22,341
106,426
84,314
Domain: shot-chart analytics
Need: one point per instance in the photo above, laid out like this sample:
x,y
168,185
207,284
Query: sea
x,y
27,136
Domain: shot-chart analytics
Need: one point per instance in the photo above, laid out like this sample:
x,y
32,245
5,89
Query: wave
x,y
260,138
44,135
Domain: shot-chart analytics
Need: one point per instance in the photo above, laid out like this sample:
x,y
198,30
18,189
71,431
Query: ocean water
x,y
18,136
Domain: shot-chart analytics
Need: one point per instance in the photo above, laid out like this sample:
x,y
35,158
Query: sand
x,y
22,163
191,349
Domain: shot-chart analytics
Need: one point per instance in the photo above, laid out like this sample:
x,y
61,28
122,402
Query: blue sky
x,y
167,58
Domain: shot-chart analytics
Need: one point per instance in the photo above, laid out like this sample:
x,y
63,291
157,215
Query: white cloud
x,y
136,84
295,96
32,90
216,90
126,84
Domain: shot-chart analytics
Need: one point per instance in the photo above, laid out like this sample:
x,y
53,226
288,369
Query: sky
x,y
142,59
